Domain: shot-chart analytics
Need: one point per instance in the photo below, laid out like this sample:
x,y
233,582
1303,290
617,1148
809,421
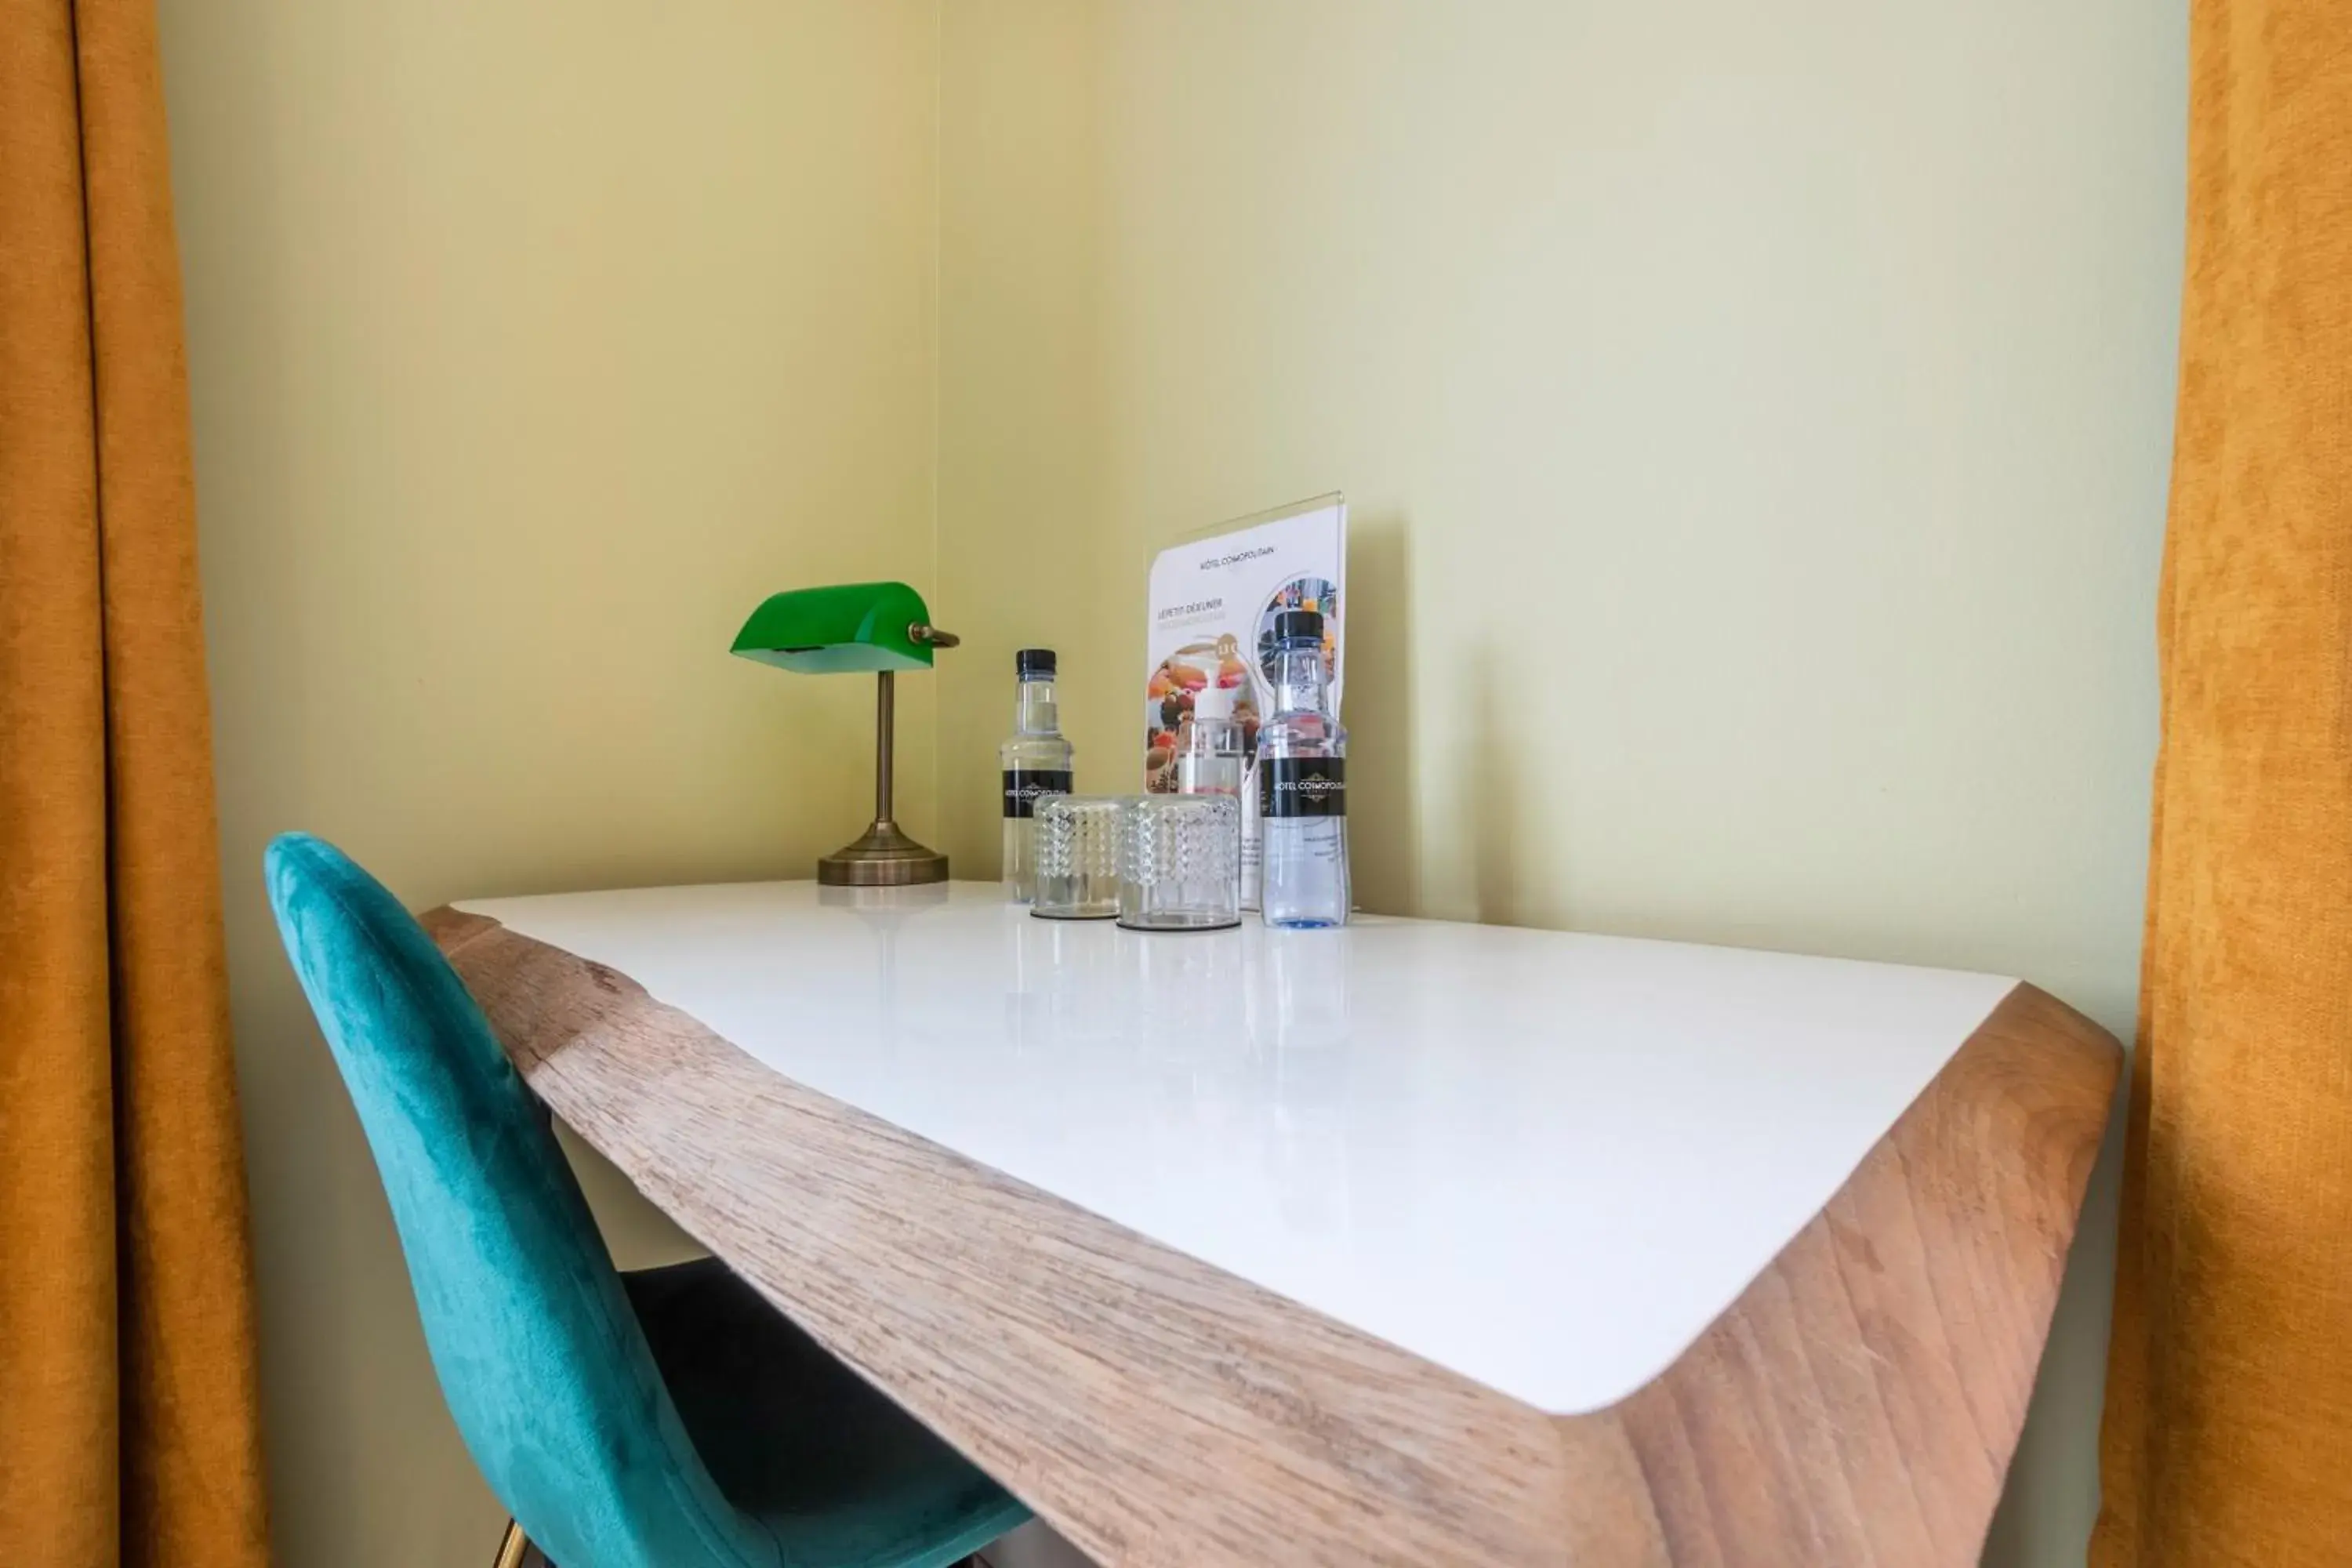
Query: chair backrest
x,y
538,1354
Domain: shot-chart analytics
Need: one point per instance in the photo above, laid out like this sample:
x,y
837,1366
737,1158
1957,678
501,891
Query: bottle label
x,y
1024,785
1303,786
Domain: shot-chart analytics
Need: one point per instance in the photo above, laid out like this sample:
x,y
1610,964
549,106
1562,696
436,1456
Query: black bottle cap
x,y
1032,661
1298,625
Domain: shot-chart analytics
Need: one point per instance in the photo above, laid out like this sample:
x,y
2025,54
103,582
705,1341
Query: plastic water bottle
x,y
1302,771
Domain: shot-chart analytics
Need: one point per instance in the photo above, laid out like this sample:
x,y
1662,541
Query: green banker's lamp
x,y
878,626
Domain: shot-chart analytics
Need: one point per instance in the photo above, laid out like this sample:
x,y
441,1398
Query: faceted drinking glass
x,y
1078,857
1179,862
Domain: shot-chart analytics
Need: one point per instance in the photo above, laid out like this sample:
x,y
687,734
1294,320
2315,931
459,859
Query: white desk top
x,y
1544,1161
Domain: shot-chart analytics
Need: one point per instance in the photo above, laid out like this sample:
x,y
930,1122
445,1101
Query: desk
x,y
1415,1243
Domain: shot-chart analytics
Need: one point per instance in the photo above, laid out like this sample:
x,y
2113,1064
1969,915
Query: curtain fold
x,y
129,1431
2229,1418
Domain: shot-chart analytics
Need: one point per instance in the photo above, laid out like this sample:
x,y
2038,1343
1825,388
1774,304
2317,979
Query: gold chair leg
x,y
513,1548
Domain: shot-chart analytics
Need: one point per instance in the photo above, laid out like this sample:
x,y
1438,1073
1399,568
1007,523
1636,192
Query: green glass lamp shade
x,y
855,627
877,628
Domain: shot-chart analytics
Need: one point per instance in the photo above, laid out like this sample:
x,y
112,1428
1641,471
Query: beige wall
x,y
1755,419
532,345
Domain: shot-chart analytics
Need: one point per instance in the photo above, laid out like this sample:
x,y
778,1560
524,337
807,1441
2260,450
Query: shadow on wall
x,y
1384,785
1384,837
1498,809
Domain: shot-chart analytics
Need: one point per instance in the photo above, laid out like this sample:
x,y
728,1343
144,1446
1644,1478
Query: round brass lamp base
x,y
882,857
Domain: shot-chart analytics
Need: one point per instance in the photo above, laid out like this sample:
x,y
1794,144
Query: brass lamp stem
x,y
885,731
883,857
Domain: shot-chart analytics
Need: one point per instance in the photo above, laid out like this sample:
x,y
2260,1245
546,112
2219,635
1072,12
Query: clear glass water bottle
x,y
1302,771
1209,745
1210,758
1037,761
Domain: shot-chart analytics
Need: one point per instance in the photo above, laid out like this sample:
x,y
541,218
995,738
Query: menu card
x,y
1212,602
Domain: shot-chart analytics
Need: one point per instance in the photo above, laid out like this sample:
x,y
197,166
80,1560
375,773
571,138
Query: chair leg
x,y
514,1547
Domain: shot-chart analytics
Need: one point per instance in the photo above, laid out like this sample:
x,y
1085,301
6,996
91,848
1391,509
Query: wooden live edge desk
x,y
1415,1243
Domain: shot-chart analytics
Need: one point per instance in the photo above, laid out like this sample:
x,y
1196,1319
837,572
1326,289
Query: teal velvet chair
x,y
662,1419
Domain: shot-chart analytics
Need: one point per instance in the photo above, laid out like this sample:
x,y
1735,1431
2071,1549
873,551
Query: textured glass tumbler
x,y
1078,857
1180,859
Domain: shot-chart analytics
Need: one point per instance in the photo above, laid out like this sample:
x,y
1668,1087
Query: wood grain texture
x,y
1858,1403
1861,1401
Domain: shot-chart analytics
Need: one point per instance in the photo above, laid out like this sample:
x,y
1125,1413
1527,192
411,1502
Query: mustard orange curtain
x,y
2228,1422
128,1431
